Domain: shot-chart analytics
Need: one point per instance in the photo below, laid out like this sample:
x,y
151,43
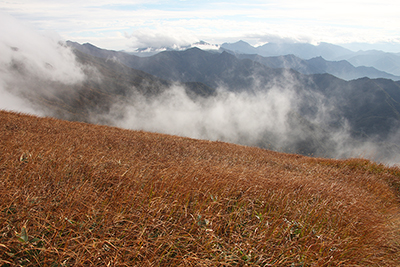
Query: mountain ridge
x,y
382,61
318,65
301,50
342,68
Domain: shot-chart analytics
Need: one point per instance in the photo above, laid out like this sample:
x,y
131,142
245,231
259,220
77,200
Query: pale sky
x,y
123,24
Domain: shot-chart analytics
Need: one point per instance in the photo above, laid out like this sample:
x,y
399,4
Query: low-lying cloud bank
x,y
267,119
238,118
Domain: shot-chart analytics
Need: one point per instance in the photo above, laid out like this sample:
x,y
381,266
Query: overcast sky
x,y
123,24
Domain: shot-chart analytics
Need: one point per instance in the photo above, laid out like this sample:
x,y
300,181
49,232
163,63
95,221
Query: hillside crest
x,y
82,194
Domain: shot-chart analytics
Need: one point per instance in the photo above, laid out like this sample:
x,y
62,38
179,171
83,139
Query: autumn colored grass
x,y
75,194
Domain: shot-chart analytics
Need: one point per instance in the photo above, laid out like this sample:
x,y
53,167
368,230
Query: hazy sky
x,y
123,24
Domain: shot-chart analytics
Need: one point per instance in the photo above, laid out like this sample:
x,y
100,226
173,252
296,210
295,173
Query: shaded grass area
x,y
75,194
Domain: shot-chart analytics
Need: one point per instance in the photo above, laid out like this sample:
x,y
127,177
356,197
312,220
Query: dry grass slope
x,y
75,194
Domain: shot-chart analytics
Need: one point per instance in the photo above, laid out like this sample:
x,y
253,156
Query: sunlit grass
x,y
75,194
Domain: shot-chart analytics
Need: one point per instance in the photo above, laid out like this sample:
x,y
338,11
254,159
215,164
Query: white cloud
x,y
40,55
161,37
30,61
214,21
11,102
228,116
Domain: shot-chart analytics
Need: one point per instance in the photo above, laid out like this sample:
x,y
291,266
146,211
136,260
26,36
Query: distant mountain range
x,y
368,109
302,50
318,65
305,58
388,62
382,61
341,69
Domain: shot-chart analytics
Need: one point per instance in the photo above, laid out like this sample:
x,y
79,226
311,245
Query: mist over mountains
x,y
381,61
305,58
302,50
215,95
275,108
318,65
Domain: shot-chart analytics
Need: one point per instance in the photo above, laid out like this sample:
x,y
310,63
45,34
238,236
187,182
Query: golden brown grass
x,y
75,194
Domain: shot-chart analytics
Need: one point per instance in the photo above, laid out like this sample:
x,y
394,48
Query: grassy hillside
x,y
75,194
